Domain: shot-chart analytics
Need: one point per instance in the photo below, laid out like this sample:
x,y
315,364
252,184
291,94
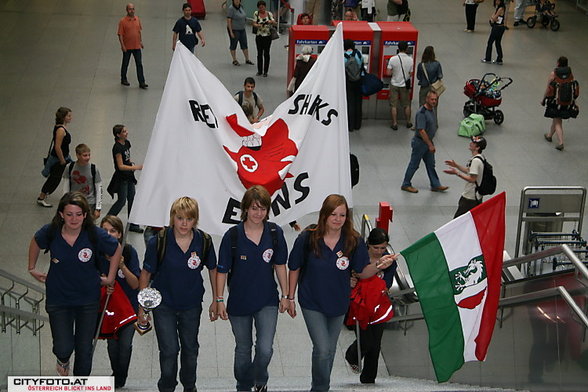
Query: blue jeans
x,y
175,329
73,328
138,63
119,352
249,373
324,333
126,193
420,150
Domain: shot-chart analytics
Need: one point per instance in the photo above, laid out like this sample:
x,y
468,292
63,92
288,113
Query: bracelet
x,y
31,268
220,299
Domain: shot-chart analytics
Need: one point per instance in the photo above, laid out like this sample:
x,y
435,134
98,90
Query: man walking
x,y
423,147
186,29
472,173
129,36
400,67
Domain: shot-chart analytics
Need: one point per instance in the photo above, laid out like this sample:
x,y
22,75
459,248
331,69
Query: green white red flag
x,y
456,271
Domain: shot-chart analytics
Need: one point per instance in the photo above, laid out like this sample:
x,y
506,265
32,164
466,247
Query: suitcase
x,y
198,9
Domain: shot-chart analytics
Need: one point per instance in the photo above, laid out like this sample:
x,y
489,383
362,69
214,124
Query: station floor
x,y
65,53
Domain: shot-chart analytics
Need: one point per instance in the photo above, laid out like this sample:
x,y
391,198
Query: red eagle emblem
x,y
261,163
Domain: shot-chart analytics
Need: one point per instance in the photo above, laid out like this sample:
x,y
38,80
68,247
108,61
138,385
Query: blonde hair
x,y
185,206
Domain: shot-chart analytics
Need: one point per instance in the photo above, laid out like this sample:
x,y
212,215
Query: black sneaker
x,y
125,83
260,388
143,86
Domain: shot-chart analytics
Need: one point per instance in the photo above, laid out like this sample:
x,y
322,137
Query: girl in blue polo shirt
x,y
321,262
250,252
73,281
127,276
178,277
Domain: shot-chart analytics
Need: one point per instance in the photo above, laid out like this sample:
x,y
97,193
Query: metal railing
x,y
19,293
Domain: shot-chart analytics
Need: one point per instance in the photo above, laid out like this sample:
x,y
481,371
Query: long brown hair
x,y
347,231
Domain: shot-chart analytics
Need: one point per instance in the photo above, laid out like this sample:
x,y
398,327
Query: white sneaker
x,y
43,203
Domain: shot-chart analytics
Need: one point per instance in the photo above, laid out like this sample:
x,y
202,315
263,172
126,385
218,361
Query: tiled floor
x,y
65,52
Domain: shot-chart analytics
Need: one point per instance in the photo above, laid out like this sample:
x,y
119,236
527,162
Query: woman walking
x,y
263,20
236,20
73,281
250,252
58,155
321,262
496,33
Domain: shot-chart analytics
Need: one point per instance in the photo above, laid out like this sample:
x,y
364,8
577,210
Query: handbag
x,y
436,86
370,84
274,33
407,81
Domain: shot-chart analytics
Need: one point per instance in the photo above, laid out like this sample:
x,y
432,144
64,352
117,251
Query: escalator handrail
x,y
565,249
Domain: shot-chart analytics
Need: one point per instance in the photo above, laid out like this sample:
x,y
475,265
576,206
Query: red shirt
x,y
130,31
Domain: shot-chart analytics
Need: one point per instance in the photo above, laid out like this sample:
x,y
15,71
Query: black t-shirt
x,y
125,152
187,30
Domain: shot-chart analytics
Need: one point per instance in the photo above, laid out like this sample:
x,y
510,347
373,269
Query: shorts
x,y
241,37
399,94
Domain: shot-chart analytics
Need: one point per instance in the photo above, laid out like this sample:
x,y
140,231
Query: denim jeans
x,y
420,150
175,329
138,63
495,38
126,193
324,333
119,352
73,328
248,372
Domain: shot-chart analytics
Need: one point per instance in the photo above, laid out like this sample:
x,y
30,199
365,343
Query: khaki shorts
x,y
399,94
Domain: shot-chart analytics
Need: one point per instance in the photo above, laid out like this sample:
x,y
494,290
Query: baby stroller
x,y
485,96
544,12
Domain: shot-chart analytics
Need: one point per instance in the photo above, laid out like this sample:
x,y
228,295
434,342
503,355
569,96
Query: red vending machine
x,y
301,35
391,34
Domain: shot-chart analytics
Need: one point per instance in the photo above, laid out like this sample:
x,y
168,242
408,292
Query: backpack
x,y
233,235
354,162
488,184
162,241
240,98
92,170
352,67
564,88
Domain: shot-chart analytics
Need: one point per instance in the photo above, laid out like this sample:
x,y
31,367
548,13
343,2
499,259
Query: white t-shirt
x,y
476,167
398,78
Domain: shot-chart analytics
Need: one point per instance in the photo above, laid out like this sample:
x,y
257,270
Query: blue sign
x,y
533,203
311,42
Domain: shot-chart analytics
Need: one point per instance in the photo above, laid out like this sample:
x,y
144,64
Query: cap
x,y
480,142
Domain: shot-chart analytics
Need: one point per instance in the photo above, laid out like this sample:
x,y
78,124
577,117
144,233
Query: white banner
x,y
202,146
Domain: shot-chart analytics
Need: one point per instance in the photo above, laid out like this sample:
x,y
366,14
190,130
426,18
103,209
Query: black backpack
x,y
352,67
162,241
233,235
488,184
240,97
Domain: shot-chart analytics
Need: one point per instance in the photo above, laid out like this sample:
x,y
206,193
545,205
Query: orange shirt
x,y
130,31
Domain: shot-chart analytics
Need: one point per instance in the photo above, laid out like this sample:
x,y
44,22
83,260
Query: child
x,y
249,96
83,176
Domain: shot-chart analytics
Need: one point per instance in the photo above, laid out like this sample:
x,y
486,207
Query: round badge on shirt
x,y
194,261
342,263
267,255
85,255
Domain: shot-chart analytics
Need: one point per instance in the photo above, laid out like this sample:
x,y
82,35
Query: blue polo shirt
x,y
73,278
253,285
324,282
179,279
133,265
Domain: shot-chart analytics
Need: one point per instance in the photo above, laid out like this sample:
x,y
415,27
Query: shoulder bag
x,y
407,81
436,86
